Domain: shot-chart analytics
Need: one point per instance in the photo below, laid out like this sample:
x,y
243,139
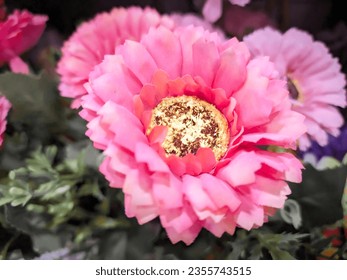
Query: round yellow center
x,y
192,124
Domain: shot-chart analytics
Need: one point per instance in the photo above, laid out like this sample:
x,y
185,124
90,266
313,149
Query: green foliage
x,y
35,101
46,196
260,244
319,195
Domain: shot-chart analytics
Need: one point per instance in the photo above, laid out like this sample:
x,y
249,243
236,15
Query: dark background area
x,y
64,15
325,20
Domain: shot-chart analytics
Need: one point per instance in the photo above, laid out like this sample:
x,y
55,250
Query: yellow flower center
x,y
192,124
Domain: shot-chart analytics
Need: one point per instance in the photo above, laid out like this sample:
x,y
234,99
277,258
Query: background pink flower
x,y
213,9
100,36
18,33
197,189
314,78
4,108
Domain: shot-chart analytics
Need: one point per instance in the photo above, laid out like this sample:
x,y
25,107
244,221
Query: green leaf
x,y
20,201
344,160
278,254
113,246
35,208
5,200
35,100
82,234
91,189
17,192
319,196
60,209
328,163
47,242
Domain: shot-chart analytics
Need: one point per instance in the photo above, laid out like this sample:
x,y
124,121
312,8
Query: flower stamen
x,y
192,124
294,90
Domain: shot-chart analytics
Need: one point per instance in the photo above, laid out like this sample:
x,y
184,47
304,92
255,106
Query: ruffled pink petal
x,y
167,191
241,169
17,65
98,37
287,166
278,132
227,224
206,158
145,154
187,37
157,43
142,64
202,204
249,214
137,185
222,194
120,160
119,121
116,179
208,52
231,73
188,236
269,192
5,106
212,10
179,220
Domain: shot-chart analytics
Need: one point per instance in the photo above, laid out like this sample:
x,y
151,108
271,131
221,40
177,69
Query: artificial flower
x,y
19,32
97,37
213,9
4,108
314,78
183,118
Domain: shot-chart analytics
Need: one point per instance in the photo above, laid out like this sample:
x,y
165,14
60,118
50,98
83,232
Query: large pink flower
x,y
213,9
4,108
314,79
98,37
18,33
183,119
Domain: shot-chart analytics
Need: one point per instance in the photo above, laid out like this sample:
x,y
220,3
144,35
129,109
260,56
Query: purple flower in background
x,y
337,146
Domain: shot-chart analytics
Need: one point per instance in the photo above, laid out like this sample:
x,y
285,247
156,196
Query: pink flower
x,y
212,9
98,37
182,118
4,108
314,78
18,33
